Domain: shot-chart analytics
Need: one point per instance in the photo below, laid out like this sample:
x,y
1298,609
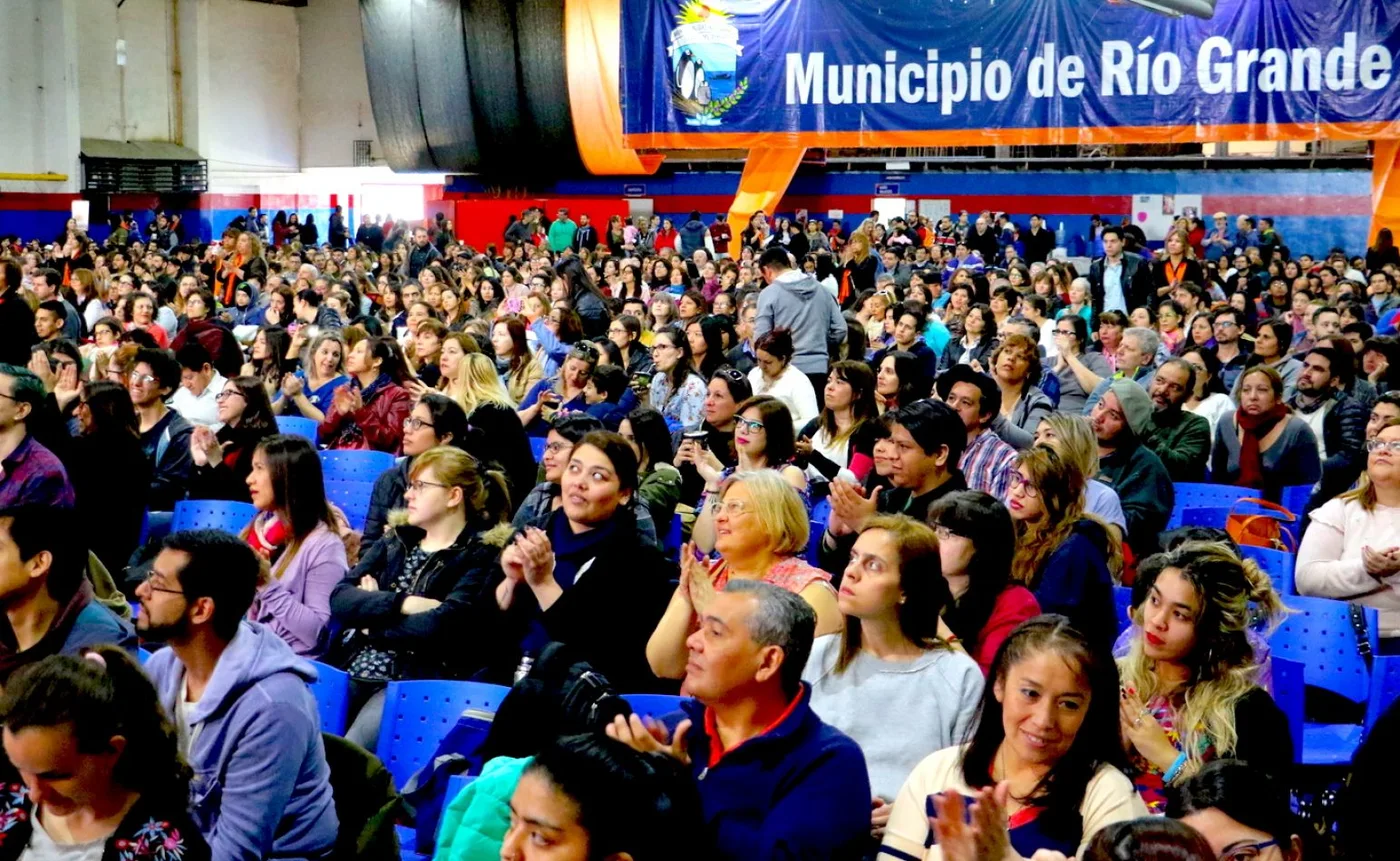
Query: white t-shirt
x,y
201,409
43,848
1110,797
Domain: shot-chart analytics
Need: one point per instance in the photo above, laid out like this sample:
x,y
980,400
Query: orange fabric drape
x,y
766,176
592,56
1385,187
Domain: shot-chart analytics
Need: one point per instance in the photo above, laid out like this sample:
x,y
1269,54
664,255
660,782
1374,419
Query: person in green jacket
x,y
562,232
1180,439
1121,420
658,482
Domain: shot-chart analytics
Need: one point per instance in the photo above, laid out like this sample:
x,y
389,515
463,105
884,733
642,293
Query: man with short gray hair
x,y
1136,357
774,780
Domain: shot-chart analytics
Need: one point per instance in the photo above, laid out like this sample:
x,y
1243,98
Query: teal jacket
x,y
475,823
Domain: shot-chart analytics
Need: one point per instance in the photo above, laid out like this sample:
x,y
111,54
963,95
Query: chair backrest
x,y
1319,634
354,465
1385,687
1123,605
675,536
1288,695
1278,564
1213,517
1193,495
537,444
332,692
222,514
418,715
1295,498
352,498
298,426
821,516
655,705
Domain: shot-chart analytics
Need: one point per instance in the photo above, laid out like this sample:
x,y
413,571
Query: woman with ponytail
x,y
1190,691
412,608
100,773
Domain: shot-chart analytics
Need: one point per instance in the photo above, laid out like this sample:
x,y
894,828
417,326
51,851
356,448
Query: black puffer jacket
x,y
450,641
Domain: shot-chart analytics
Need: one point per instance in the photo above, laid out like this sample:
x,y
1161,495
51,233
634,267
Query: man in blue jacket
x,y
238,697
774,780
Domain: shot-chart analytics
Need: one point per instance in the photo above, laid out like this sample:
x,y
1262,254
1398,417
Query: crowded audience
x,y
859,493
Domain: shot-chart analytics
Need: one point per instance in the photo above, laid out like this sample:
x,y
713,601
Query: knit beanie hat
x,y
1137,406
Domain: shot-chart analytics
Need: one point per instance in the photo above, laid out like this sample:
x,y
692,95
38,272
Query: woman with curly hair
x,y
1190,691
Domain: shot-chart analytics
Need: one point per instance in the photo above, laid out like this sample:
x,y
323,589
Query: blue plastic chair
x,y
332,692
1295,498
655,705
354,465
1320,636
675,536
1192,495
1278,564
352,498
418,714
821,516
1385,687
144,654
1123,604
298,426
1288,695
537,444
221,514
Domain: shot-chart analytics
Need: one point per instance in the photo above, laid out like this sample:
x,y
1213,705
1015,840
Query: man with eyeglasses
x,y
1121,420
245,720
1229,349
1179,438
30,474
49,606
1337,419
165,434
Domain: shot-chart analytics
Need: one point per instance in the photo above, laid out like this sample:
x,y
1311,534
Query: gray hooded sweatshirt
x,y
796,301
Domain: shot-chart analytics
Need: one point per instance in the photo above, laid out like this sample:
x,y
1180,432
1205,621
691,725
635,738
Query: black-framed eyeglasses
x,y
150,582
413,423
417,485
9,397
748,424
227,393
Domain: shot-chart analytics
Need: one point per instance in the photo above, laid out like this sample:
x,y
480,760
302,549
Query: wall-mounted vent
x,y
362,156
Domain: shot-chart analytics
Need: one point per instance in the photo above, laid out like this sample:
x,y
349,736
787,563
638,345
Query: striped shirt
x,y
987,463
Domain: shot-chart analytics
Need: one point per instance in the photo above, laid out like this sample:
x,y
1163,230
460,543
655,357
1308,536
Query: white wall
x,y
39,92
251,114
133,102
335,108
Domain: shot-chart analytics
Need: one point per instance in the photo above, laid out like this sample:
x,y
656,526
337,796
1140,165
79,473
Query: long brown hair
x,y
1060,484
925,592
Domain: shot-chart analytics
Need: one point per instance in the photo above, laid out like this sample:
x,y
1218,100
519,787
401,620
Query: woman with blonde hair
x,y
1067,558
761,532
455,346
490,410
1176,266
857,267
1189,689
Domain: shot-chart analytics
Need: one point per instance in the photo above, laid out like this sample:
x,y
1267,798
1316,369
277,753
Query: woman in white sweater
x,y
775,375
895,664
1351,550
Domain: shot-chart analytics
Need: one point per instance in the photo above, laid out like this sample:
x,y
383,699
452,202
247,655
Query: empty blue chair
x,y
1278,564
298,426
537,445
1123,603
1295,498
418,714
1320,635
1288,695
654,705
1192,495
352,498
348,465
221,514
332,692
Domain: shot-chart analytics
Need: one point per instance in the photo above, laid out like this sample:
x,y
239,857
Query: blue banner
x,y
947,72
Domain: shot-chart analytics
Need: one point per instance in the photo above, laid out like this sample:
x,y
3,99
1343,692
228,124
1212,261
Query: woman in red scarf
x,y
1263,444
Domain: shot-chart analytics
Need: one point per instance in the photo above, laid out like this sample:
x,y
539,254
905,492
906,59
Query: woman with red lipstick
x,y
1043,767
1190,691
1064,555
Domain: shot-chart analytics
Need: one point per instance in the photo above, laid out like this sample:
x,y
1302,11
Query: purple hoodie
x,y
261,785
297,605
